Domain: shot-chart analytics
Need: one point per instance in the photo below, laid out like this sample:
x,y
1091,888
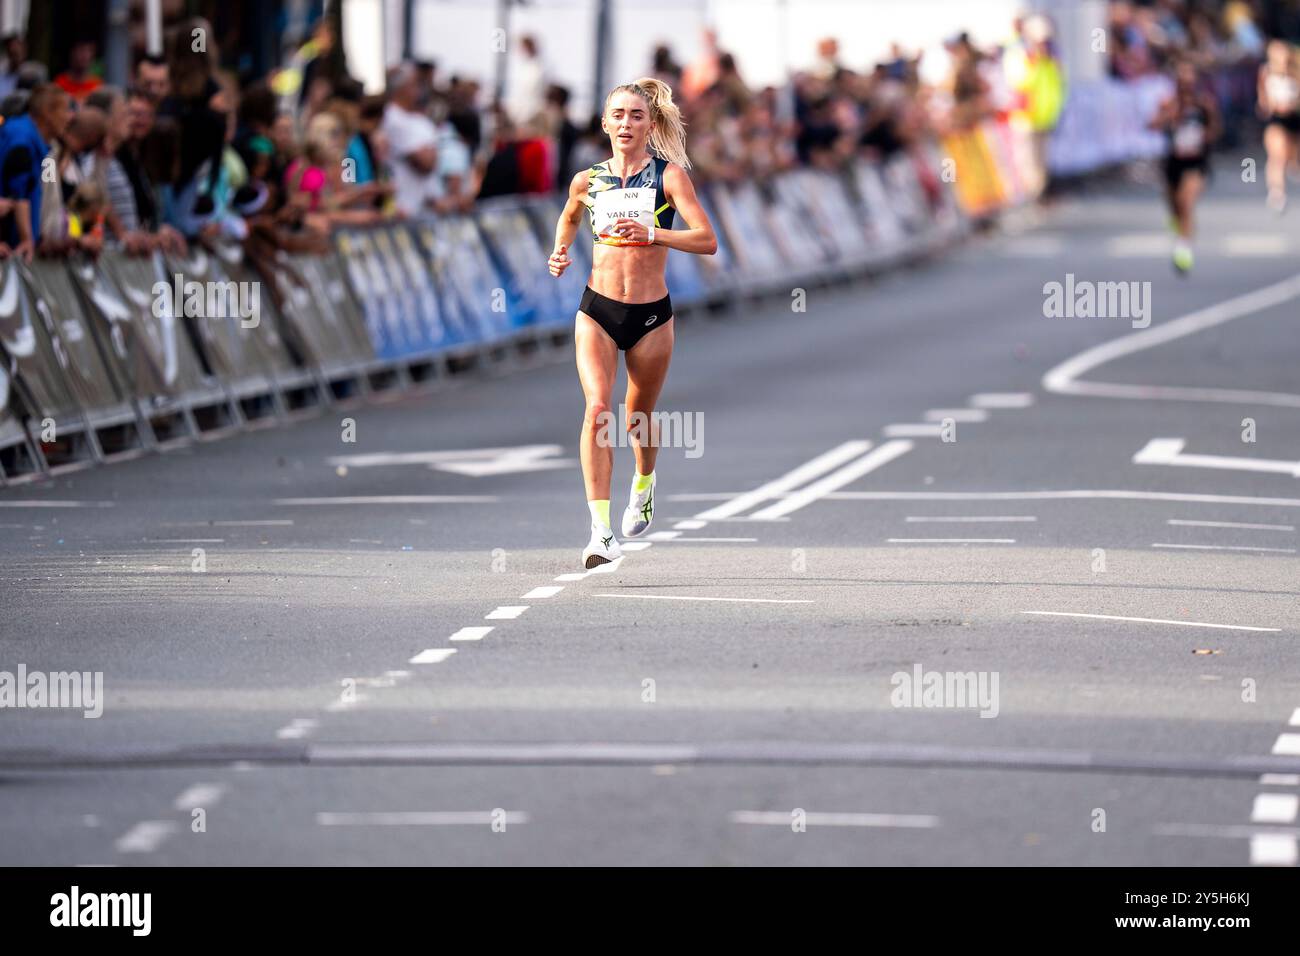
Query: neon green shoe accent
x,y
600,511
641,482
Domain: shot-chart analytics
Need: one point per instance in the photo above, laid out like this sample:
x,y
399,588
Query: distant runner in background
x,y
1190,121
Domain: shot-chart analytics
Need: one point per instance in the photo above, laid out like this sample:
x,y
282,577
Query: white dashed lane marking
x,y
146,836
545,591
421,818
434,655
1275,808
778,818
506,612
470,634
1192,523
952,540
200,795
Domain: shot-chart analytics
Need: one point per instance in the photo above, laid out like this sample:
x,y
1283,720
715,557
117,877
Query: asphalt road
x,y
304,692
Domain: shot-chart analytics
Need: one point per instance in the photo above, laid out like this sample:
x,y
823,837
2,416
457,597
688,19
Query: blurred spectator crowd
x,y
190,151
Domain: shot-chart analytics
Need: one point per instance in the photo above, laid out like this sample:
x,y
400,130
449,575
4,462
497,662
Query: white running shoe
x,y
640,511
601,549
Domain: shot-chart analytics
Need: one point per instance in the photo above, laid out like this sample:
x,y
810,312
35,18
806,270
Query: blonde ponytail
x,y
667,128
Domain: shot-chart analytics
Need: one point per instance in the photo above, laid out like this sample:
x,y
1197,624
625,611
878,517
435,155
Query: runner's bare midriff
x,y
629,273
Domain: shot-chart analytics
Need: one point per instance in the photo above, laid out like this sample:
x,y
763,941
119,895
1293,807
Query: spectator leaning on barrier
x,y
413,139
137,156
24,145
198,105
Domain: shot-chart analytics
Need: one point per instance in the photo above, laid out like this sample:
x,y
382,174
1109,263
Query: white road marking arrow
x,y
476,462
1169,451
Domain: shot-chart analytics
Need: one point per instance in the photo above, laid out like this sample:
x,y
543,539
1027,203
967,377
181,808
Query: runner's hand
x,y
559,261
630,230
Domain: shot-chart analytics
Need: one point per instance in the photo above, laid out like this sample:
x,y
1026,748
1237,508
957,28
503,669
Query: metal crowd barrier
x,y
107,358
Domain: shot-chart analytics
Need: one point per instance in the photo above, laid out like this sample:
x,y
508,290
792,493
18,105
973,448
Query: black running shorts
x,y
626,322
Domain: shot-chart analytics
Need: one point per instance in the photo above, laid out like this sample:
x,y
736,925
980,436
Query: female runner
x,y
632,198
1279,106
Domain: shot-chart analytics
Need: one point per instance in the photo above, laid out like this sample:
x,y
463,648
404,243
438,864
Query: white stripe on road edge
x,y
434,655
1280,779
974,518
1155,620
790,480
912,430
392,500
956,414
200,795
952,540
673,597
1064,378
507,612
783,819
54,503
545,591
1273,849
467,634
1287,745
1190,523
1221,547
297,729
1001,399
1275,808
690,524
662,535
836,479
146,836
1047,495
1295,718
421,818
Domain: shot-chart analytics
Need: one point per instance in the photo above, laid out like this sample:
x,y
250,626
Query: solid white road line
x,y
1062,495
146,836
956,414
1001,399
469,634
1287,745
434,655
1155,620
952,540
200,795
1191,523
673,597
1273,849
836,479
662,535
912,430
1275,808
1221,547
420,818
1064,378
971,518
392,500
780,818
690,524
53,503
545,591
507,612
790,480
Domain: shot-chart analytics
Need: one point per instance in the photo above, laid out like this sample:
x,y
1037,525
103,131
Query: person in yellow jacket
x,y
1042,90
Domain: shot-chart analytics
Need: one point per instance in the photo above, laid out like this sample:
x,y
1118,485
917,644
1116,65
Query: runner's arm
x,y
571,217
698,236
